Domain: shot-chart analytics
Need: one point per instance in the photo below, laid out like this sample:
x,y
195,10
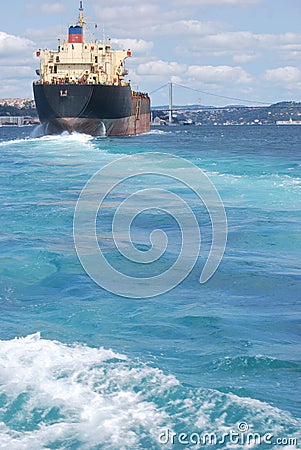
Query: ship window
x,y
100,48
96,59
55,69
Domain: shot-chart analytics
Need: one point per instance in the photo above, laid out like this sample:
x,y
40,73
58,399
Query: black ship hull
x,y
92,109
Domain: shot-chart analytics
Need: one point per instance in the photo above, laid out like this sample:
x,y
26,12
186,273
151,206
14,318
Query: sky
x,y
225,51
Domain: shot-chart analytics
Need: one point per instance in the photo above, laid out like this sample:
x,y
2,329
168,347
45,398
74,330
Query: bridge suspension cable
x,y
158,89
170,84
220,96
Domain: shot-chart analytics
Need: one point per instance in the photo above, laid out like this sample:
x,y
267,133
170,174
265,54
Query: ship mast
x,y
81,19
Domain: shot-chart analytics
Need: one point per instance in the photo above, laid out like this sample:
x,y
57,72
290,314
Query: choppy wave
x,y
253,363
269,191
54,395
275,178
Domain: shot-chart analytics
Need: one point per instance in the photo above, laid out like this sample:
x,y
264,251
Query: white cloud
x,y
17,71
294,47
286,76
46,37
128,14
229,40
161,68
199,74
11,45
42,33
136,45
137,20
176,79
219,74
189,27
17,65
53,8
244,46
242,58
16,86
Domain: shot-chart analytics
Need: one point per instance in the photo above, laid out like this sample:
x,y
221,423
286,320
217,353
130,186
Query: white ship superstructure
x,y
77,61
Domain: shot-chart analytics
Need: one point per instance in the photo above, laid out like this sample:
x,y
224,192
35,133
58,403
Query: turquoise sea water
x,y
81,368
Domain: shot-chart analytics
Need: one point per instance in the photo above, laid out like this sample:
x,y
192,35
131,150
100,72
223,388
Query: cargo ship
x,y
82,88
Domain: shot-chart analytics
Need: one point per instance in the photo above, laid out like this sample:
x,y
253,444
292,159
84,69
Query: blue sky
x,y
244,49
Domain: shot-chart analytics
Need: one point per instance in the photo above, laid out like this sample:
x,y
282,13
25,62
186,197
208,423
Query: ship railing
x,y
140,94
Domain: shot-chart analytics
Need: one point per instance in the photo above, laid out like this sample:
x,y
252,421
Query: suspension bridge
x,y
171,108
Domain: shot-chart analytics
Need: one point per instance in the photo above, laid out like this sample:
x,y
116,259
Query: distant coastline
x,y
282,113
19,112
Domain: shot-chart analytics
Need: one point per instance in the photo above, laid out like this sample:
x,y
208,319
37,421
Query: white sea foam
x,y
158,132
17,141
93,390
52,393
65,136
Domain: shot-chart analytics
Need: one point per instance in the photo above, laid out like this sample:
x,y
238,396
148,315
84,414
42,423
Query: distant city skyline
x,y
242,49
